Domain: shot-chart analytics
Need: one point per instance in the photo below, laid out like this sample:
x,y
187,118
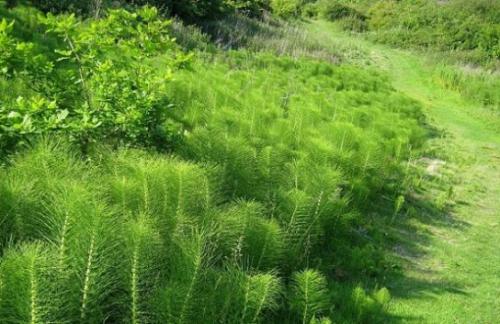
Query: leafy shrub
x,y
58,6
353,23
286,8
310,10
333,10
349,17
6,45
194,9
189,10
485,8
249,7
382,14
102,82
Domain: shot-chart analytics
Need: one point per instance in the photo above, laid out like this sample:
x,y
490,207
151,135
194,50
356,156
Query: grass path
x,y
456,277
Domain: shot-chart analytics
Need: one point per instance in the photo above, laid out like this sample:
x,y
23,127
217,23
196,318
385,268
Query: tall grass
x,y
464,30
267,34
476,84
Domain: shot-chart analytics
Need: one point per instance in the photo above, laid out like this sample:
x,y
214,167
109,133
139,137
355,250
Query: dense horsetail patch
x,y
256,192
229,187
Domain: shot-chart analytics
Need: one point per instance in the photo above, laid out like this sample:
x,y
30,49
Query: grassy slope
x,y
455,276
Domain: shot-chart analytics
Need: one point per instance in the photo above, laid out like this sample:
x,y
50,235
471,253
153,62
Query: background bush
x,y
189,10
286,8
470,29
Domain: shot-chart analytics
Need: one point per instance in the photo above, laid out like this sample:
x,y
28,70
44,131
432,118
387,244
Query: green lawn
x,y
452,272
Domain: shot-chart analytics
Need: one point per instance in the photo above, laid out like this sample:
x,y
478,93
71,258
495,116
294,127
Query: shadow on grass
x,y
407,238
410,236
404,287
403,242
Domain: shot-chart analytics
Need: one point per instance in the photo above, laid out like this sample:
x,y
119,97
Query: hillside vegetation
x,y
455,32
238,170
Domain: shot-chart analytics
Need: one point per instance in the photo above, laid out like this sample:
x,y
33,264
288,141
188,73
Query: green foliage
x,y
27,294
189,10
369,309
292,141
309,296
248,238
398,204
99,82
145,244
144,255
477,85
159,239
334,10
270,34
194,9
353,23
190,37
57,6
261,293
310,10
6,44
470,29
286,8
275,164
249,7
